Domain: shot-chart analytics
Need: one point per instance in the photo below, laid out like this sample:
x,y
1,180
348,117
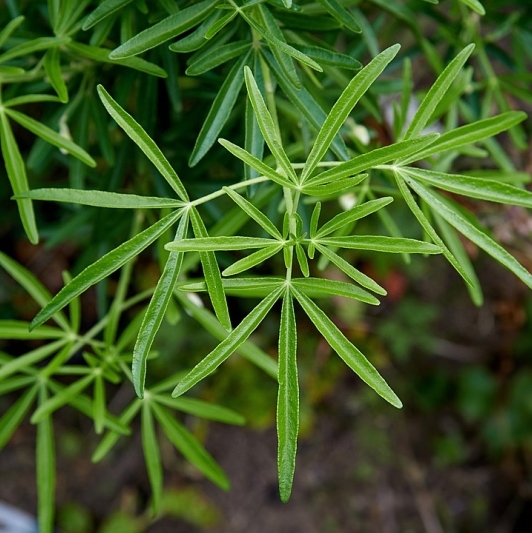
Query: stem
x,y
239,185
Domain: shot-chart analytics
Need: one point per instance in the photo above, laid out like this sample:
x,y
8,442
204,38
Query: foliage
x,y
270,202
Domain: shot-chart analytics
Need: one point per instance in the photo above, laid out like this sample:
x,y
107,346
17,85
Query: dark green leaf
x,y
106,8
205,62
324,288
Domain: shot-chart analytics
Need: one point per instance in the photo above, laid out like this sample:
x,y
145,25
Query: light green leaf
x,y
324,288
16,329
12,417
191,449
350,270
30,99
212,244
104,266
251,287
161,32
101,199
287,398
102,56
334,188
106,8
9,28
197,39
34,45
484,189
342,15
99,404
51,136
52,67
212,275
302,260
352,214
204,62
45,466
16,383
475,5
372,159
382,244
16,172
252,260
267,126
253,139
152,456
470,133
229,345
220,110
343,106
255,163
351,355
155,313
436,93
32,286
137,134
258,216
330,57
453,216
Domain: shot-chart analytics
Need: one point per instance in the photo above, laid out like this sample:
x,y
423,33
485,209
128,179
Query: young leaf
x,y
351,355
287,398
334,188
245,287
137,134
205,62
152,456
211,272
196,39
220,110
378,243
52,67
325,288
156,311
161,32
33,45
252,260
229,345
341,14
9,28
302,260
106,8
16,172
51,136
213,244
436,93
18,329
343,106
104,266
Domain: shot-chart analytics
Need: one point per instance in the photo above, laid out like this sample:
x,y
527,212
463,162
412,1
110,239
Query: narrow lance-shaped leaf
x,y
12,417
104,266
155,313
343,106
340,14
212,275
106,8
152,456
381,243
137,134
196,39
161,32
51,136
9,28
212,244
229,345
252,260
18,329
220,110
436,93
452,215
287,398
251,287
325,288
16,172
351,355
33,45
205,62
267,126
99,404
52,67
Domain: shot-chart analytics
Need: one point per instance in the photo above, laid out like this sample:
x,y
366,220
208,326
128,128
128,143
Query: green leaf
x,y
195,40
218,25
382,244
15,329
258,216
352,214
250,287
152,456
51,136
212,275
161,32
104,266
16,172
324,288
252,260
351,355
13,416
32,286
34,45
287,398
99,404
267,126
350,270
206,410
436,93
101,198
220,110
484,189
52,67
330,57
9,28
372,159
106,8
102,56
30,99
155,313
470,133
229,345
262,168
334,188
204,62
45,466
475,5
453,216
343,106
191,449
137,134
212,244
341,14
